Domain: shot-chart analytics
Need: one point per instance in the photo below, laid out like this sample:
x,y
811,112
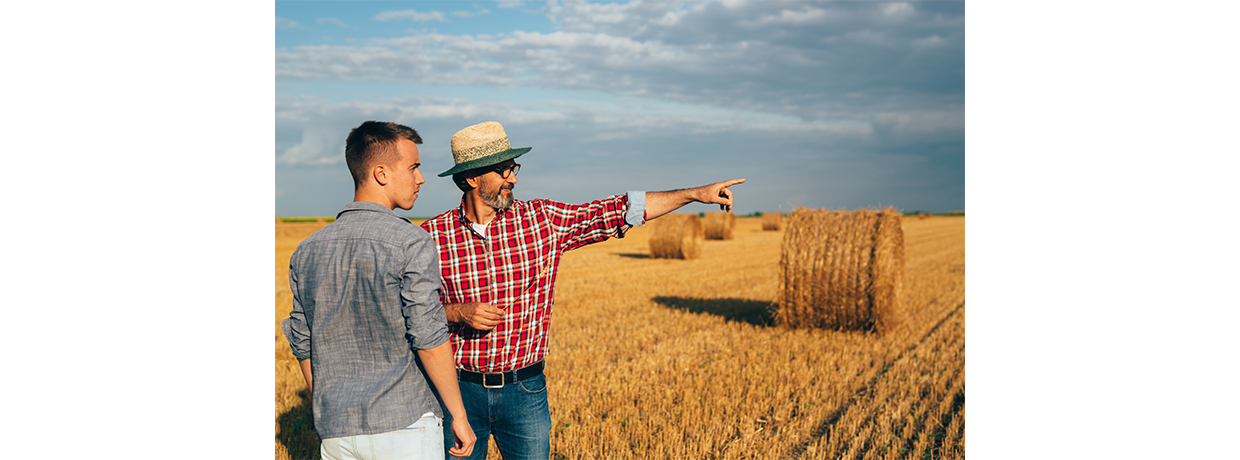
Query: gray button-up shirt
x,y
365,295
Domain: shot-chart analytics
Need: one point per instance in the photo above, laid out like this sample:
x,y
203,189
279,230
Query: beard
x,y
491,196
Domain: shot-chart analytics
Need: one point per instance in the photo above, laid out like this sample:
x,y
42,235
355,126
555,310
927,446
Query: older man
x,y
499,257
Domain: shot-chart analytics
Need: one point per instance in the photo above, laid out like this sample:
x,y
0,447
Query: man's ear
x,y
380,173
474,182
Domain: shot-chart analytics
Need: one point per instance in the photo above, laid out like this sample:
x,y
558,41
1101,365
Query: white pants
x,y
421,441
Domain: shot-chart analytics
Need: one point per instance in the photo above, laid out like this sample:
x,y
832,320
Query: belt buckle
x,y
485,376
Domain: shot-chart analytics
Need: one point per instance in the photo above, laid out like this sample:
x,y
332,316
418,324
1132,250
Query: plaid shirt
x,y
514,268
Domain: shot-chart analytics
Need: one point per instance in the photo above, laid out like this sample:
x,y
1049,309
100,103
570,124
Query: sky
x,y
836,105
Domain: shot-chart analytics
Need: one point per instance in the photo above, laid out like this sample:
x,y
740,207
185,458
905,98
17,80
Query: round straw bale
x,y
719,225
888,269
676,236
842,270
772,220
321,220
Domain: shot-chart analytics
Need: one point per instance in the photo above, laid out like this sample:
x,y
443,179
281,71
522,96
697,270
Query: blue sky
x,y
837,105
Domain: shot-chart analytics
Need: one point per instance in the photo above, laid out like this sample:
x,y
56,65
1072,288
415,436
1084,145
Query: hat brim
x,y
492,159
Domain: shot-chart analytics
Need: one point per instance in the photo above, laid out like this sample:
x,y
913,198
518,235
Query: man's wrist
x,y
700,194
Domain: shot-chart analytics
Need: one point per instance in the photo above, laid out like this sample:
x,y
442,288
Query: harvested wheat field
x,y
666,358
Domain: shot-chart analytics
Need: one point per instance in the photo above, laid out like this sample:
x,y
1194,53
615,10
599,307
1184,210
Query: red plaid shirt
x,y
514,268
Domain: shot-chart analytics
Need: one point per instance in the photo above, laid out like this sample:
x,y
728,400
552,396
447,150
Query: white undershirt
x,y
480,228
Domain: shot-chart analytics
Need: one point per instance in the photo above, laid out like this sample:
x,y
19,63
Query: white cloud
x,y
284,23
919,124
314,148
775,56
576,140
855,90
312,132
671,18
579,16
332,21
409,15
470,14
315,129
897,9
926,42
807,16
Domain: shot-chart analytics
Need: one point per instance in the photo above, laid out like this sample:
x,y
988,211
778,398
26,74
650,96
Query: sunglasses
x,y
504,173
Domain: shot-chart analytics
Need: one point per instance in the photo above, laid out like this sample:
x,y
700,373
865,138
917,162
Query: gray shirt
x,y
365,295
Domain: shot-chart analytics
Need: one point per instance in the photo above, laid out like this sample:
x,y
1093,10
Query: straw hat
x,y
479,146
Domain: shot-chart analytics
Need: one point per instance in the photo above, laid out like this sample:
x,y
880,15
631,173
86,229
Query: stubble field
x,y
655,358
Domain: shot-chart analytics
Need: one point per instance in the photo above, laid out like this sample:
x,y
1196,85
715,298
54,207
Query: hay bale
x,y
888,270
321,220
676,236
772,220
922,215
842,270
719,225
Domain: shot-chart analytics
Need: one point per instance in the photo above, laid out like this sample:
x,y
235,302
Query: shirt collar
x,y
367,206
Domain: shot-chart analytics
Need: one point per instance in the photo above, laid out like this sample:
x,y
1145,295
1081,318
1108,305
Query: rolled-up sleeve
x,y
579,225
426,324
636,215
295,327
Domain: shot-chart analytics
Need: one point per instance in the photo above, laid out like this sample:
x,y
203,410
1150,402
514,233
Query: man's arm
x,y
441,368
425,327
297,330
478,315
305,372
660,203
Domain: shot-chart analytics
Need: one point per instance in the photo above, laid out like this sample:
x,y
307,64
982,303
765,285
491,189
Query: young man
x,y
499,257
367,324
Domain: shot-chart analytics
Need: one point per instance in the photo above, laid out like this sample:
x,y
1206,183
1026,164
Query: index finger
x,y
729,183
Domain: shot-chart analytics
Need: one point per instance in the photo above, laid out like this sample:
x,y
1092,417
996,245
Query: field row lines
x,y
823,431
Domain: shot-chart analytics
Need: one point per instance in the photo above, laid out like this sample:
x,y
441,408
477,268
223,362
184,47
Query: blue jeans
x,y
517,415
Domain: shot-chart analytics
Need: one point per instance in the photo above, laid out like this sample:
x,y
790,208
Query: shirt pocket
x,y
538,262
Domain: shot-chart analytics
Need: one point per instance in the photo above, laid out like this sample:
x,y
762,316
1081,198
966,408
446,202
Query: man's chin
x,y
498,203
411,202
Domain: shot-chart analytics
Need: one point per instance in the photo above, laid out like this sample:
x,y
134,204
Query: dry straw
x,y
676,236
719,225
772,220
842,270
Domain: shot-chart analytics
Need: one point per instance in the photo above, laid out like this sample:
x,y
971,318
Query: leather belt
x,y
499,379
